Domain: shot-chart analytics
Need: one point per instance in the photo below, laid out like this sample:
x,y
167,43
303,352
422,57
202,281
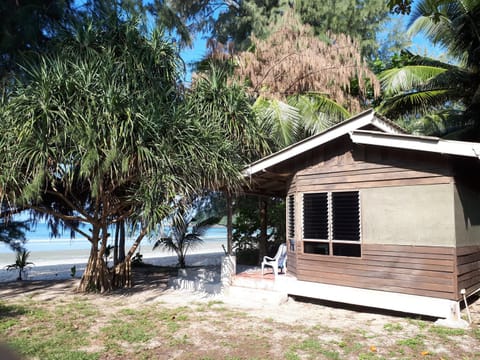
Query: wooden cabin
x,y
377,217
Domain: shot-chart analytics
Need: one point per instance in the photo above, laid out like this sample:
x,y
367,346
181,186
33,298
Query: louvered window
x,y
331,223
315,216
345,216
291,221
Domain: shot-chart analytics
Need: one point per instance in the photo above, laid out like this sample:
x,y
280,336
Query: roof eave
x,y
418,143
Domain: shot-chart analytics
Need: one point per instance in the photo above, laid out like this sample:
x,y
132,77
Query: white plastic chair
x,y
278,261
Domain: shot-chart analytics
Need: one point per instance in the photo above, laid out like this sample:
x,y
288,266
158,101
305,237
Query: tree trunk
x,y
229,225
121,245
115,245
122,274
181,261
262,246
97,277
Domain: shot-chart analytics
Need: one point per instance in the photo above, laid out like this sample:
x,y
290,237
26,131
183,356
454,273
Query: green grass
x,y
350,345
422,325
393,327
445,332
291,355
7,311
46,334
52,342
413,343
79,327
313,348
139,330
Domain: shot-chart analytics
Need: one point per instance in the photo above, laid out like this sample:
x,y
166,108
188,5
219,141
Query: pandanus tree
x,y
446,94
99,133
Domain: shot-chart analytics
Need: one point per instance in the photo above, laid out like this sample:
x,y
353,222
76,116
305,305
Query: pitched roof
x,y
389,135
366,119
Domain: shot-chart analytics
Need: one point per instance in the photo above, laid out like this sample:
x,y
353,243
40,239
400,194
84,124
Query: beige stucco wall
x,y
467,216
409,215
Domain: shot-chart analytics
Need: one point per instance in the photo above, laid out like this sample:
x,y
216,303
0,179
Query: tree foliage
x,y
28,26
237,21
293,61
403,7
184,228
425,86
215,98
360,20
301,84
12,233
246,236
99,133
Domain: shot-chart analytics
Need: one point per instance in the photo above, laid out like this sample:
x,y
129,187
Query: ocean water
x,y
45,249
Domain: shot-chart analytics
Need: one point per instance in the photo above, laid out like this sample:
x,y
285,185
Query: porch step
x,y
253,282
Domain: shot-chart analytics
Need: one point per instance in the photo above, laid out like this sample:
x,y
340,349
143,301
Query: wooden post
x,y
229,224
263,207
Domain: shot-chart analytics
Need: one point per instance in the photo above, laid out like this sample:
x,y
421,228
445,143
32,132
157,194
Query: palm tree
x,y
185,230
425,86
297,117
21,263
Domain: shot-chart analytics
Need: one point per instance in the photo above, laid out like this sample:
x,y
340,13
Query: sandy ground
x,y
52,281
51,266
152,288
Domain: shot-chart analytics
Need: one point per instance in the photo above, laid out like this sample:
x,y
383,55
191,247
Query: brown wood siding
x,y
341,165
361,175
415,270
468,269
291,262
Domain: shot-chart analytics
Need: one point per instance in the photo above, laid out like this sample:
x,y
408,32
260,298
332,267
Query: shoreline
x,y
56,265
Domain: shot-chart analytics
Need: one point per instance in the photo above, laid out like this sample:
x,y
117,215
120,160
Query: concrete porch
x,y
248,282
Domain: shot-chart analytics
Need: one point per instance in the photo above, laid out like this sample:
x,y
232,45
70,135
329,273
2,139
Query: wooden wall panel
x,y
366,178
292,263
345,166
468,268
415,270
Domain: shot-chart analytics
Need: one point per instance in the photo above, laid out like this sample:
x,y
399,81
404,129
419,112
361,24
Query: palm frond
x,y
417,102
406,78
281,118
318,111
453,25
440,123
201,227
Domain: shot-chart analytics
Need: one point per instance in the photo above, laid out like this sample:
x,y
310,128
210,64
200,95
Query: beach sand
x,y
56,265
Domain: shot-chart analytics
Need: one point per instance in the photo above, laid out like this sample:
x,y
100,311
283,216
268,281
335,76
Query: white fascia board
x,y
418,143
310,143
387,127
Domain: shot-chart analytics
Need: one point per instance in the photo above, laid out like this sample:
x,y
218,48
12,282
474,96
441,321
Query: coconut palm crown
x,y
446,92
